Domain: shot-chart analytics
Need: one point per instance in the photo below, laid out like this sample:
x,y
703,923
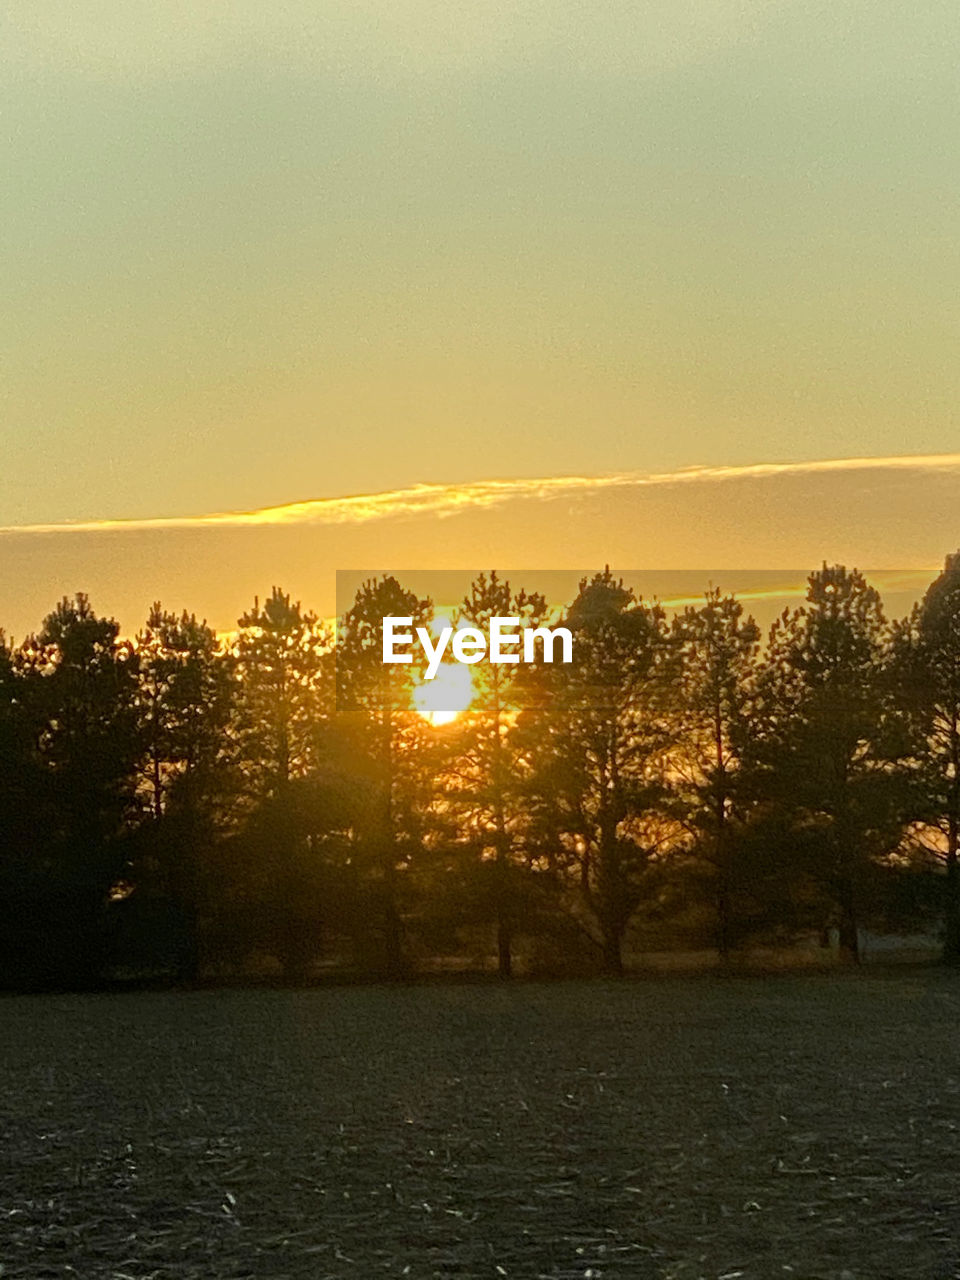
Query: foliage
x,y
598,734
924,669
184,803
719,650
819,741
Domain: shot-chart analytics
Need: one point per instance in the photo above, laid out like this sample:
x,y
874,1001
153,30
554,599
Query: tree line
x,y
187,804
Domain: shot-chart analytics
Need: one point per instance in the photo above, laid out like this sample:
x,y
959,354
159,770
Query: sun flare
x,y
443,698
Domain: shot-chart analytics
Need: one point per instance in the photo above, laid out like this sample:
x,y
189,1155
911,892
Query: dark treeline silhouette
x,y
183,805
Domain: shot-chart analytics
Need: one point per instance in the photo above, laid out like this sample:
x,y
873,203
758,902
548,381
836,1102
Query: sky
x,y
260,256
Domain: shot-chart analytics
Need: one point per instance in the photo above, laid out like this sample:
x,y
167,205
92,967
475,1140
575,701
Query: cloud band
x,y
448,499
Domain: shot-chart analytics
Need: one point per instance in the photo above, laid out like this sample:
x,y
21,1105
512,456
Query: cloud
x,y
439,500
680,529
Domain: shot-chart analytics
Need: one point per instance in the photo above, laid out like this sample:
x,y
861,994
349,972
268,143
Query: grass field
x,y
671,1128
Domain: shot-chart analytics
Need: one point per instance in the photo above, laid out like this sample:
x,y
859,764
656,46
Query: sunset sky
x,y
266,258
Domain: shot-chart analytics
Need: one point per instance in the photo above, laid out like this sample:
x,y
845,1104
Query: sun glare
x,y
441,699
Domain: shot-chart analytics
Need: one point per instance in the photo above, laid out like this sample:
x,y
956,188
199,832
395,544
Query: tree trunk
x,y
188,966
392,928
723,920
849,934
504,905
504,953
720,852
612,953
951,942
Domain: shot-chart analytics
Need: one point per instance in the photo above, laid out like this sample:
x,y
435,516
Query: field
x,y
795,1127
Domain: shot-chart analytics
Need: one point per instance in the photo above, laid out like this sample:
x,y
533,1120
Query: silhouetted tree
x,y
926,672
486,786
284,691
79,691
177,786
185,698
25,819
386,740
719,651
598,733
293,869
818,730
282,701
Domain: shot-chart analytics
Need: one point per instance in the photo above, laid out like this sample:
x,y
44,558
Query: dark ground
x,y
794,1127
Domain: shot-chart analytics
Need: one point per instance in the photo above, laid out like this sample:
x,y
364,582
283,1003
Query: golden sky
x,y
544,259
888,514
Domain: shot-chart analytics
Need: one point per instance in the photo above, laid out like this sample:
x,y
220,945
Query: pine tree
x,y
381,737
79,687
599,734
486,790
818,739
925,668
719,651
185,695
284,692
185,698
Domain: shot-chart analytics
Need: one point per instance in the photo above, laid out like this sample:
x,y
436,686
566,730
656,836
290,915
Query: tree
x,y
185,699
719,650
185,695
24,823
283,700
292,863
385,741
79,692
599,734
925,666
818,741
486,782
284,691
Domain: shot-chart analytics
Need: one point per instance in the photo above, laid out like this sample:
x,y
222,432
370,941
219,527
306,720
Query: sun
x,y
441,699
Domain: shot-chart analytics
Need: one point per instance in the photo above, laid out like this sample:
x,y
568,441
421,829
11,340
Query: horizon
x,y
764,516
